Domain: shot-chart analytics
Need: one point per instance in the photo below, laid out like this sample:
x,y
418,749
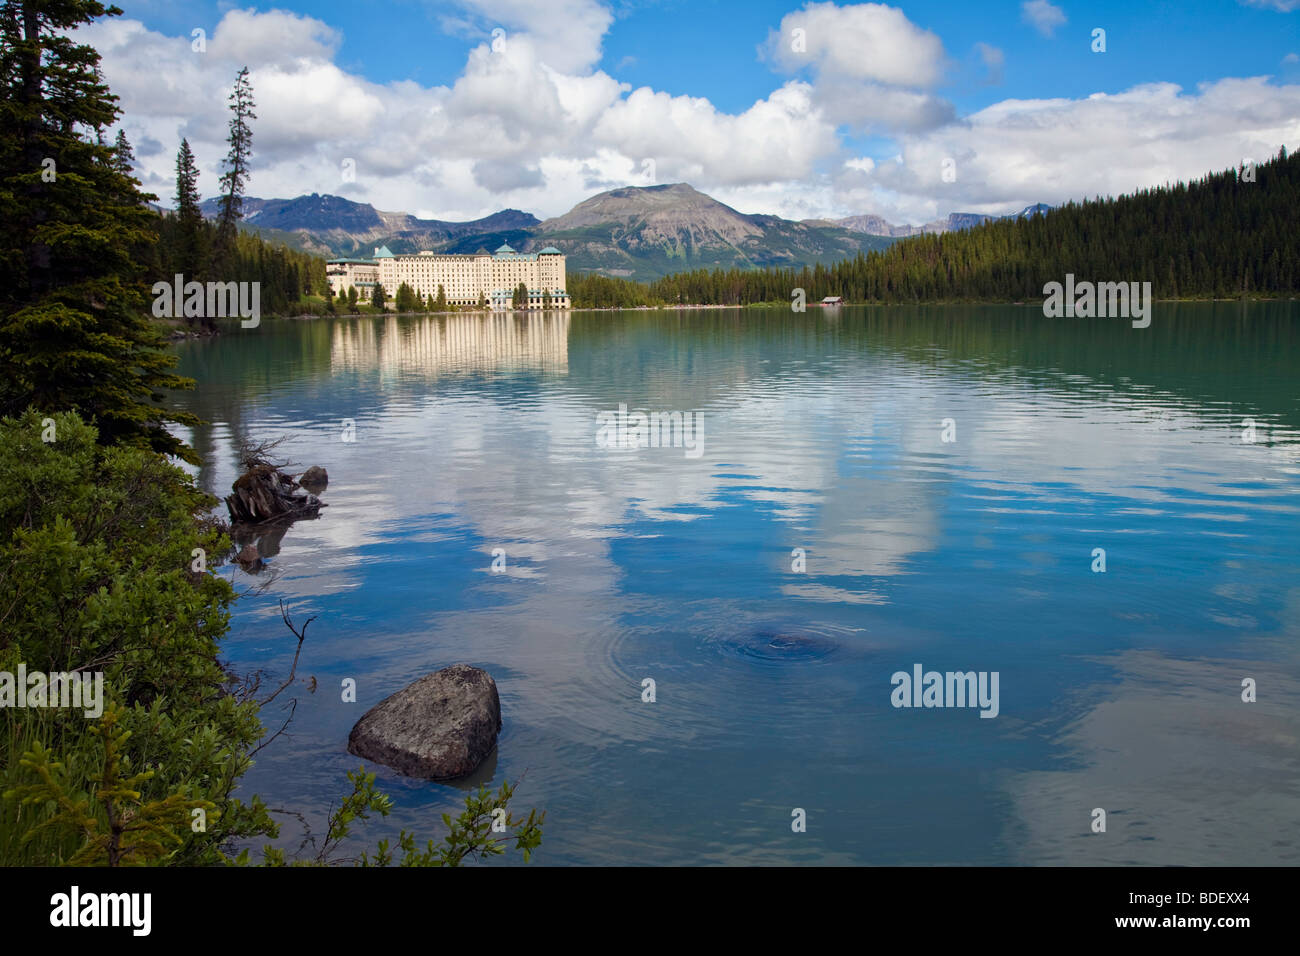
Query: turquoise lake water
x,y
1175,449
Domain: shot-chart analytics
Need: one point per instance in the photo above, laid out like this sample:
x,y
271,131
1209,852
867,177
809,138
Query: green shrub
x,y
97,573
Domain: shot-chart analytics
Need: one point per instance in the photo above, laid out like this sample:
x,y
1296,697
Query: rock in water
x,y
314,479
439,728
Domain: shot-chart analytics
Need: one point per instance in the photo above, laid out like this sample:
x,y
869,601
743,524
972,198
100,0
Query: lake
x,y
871,489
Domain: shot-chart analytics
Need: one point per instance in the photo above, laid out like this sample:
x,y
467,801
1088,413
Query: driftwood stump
x,y
264,493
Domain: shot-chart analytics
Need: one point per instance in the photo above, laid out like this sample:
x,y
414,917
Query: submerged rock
x,y
314,479
441,727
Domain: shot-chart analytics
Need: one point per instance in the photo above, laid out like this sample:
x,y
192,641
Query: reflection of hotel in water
x,y
453,344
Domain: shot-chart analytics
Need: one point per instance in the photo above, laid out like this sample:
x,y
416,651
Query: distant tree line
x,y
595,291
1226,234
286,275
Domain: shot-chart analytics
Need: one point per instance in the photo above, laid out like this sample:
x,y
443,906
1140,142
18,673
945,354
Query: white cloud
x,y
778,138
883,108
1021,151
513,129
516,130
871,65
567,34
270,39
869,41
1043,16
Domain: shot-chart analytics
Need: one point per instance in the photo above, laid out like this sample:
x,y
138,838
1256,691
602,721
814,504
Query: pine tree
x,y
520,300
440,303
406,299
235,178
123,155
73,328
138,831
378,296
189,219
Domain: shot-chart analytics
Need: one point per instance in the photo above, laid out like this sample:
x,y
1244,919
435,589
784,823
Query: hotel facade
x,y
463,277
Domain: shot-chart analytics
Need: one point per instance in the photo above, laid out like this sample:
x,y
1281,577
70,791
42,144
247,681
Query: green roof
x,y
550,250
504,248
383,253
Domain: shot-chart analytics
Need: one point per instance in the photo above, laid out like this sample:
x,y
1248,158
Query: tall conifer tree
x,y
235,178
189,219
74,333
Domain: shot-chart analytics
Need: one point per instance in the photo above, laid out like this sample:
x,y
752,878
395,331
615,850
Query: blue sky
x,y
708,91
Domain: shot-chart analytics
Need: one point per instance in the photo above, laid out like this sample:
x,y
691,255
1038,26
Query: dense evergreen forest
x,y
286,275
1226,234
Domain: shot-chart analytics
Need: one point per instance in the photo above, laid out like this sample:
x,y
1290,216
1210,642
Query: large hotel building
x,y
463,277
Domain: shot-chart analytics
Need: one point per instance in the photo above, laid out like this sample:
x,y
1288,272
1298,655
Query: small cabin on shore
x,y
832,300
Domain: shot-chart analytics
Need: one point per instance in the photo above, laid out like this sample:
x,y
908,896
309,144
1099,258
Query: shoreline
x,y
177,332
680,307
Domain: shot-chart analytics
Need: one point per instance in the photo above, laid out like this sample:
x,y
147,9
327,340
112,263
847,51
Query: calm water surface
x,y
1120,690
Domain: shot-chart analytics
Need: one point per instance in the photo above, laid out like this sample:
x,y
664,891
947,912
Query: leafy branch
x,y
485,828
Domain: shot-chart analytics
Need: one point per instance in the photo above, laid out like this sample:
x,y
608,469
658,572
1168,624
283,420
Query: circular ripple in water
x,y
779,642
781,647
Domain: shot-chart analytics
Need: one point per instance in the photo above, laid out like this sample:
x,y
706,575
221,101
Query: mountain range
x,y
635,232
876,226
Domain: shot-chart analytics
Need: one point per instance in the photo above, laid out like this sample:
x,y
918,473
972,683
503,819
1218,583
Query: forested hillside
x,y
1227,234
